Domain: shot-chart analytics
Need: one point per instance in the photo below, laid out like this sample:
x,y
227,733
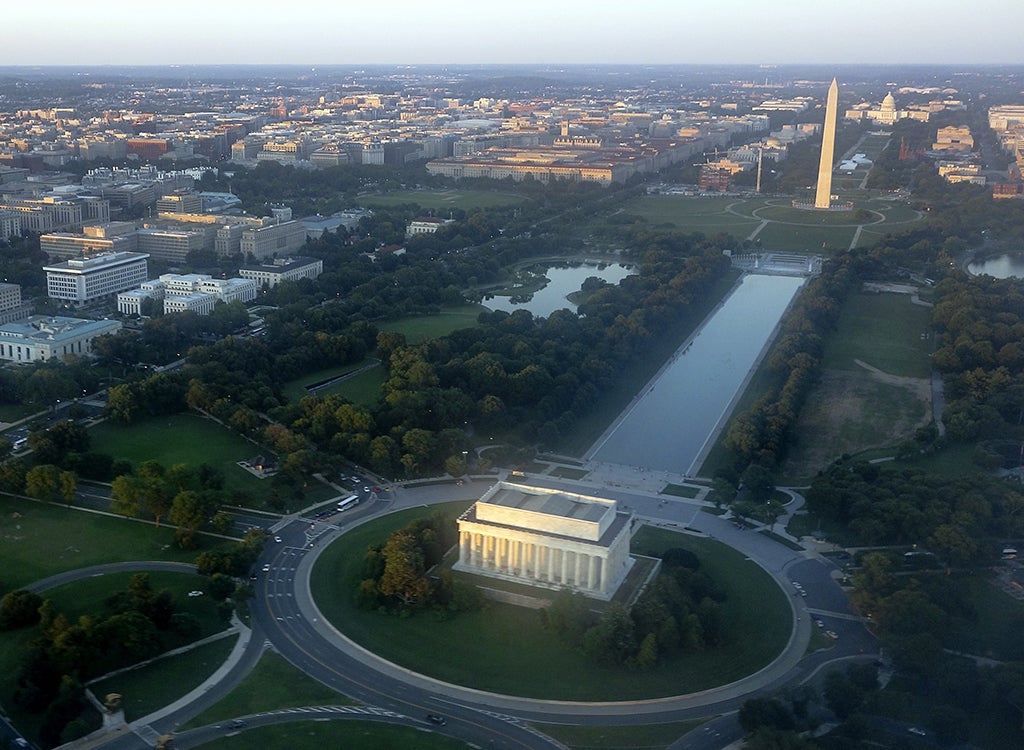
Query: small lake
x,y
562,281
668,426
1000,267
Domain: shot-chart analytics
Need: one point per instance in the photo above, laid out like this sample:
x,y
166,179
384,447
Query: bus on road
x,y
349,502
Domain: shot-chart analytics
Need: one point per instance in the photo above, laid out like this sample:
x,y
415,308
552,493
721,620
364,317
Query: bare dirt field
x,y
851,411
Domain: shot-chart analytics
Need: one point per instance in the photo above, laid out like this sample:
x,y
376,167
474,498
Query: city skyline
x,y
660,32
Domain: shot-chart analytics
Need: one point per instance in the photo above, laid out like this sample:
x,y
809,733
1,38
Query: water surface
x,y
1000,267
562,281
667,427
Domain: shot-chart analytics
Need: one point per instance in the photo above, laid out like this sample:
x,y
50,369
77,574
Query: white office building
x,y
81,280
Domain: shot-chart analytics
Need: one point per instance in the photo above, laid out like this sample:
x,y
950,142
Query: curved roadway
x,y
285,616
298,631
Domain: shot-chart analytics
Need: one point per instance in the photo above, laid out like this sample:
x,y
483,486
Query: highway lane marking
x,y
373,690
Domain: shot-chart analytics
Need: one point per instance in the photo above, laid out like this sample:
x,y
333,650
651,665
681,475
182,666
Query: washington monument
x,y
823,195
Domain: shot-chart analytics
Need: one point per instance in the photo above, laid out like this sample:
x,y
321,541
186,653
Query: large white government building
x,y
42,337
94,277
546,538
192,292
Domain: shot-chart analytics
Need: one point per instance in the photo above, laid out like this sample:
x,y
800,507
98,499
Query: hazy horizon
x,y
455,32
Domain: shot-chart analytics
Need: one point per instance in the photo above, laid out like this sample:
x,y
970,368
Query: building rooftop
x,y
93,262
52,328
553,504
279,265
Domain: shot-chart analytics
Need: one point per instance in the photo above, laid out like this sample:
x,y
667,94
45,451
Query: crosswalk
x,y
358,710
147,734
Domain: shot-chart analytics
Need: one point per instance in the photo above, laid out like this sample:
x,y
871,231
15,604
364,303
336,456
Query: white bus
x,y
349,502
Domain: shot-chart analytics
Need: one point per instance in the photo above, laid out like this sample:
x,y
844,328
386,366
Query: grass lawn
x,y
348,734
181,439
883,330
16,412
995,632
420,328
155,685
505,649
694,214
852,408
41,540
362,389
790,238
295,390
87,595
189,439
955,460
789,230
442,199
272,684
633,737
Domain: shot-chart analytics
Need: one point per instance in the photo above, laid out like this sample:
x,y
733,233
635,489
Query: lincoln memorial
x,y
546,538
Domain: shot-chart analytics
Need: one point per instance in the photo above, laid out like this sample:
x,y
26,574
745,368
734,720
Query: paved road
x,y
297,629
285,616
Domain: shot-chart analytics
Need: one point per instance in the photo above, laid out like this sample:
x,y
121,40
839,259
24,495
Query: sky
x,y
363,32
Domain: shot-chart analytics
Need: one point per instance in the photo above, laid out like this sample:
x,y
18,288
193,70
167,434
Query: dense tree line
x,y
959,519
678,612
760,435
980,350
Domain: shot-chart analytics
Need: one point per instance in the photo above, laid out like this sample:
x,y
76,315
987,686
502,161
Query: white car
x,y
266,568
195,593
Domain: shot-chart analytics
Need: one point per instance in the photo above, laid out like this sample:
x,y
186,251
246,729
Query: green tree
x,y
19,608
189,511
403,577
568,615
765,712
613,639
43,482
67,484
